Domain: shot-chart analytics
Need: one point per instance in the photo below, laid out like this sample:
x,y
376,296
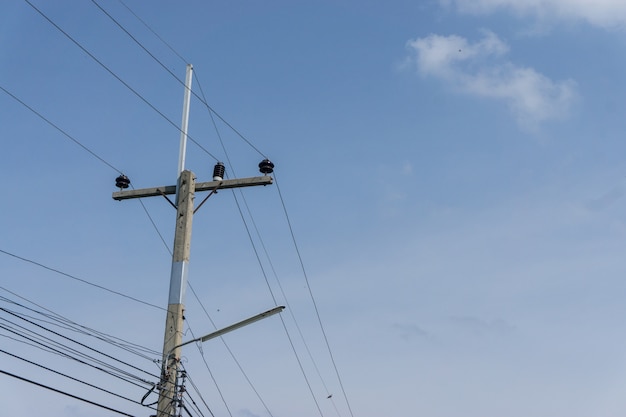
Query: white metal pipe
x,y
185,123
235,326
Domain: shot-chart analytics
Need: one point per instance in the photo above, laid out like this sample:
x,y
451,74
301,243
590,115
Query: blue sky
x,y
453,172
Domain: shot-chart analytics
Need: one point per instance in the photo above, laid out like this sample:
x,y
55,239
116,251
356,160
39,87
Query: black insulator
x,y
218,171
122,181
266,166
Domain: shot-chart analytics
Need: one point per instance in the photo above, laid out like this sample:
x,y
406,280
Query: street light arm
x,y
232,327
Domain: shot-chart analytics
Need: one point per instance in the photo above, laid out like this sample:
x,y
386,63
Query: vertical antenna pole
x,y
185,122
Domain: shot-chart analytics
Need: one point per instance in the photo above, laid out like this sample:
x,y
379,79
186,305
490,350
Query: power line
x,y
219,391
158,232
264,275
154,32
211,110
115,341
232,354
293,348
199,394
75,341
203,98
47,344
117,77
73,139
80,279
267,283
91,333
291,311
266,254
306,278
65,393
85,148
69,377
55,347
136,93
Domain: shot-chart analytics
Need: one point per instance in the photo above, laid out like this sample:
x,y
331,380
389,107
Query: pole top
x,y
185,122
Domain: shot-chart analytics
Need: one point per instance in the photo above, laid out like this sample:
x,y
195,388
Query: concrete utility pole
x,y
185,193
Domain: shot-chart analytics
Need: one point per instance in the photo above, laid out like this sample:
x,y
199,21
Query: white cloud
x,y
407,168
481,328
603,13
409,331
437,54
478,69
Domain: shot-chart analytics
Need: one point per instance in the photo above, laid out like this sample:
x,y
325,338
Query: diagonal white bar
x,y
235,326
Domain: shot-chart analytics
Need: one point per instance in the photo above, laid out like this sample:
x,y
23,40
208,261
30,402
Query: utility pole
x,y
185,190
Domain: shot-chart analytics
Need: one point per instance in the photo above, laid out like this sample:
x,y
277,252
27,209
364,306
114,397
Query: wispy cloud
x,y
481,328
608,198
603,13
480,69
409,331
247,413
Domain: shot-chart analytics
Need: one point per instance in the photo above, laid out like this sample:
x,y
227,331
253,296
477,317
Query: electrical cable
x,y
219,391
80,279
69,377
264,276
73,139
108,164
306,278
122,375
211,110
117,77
291,311
201,99
293,348
230,126
190,402
77,342
48,343
85,148
153,32
127,86
65,393
193,403
48,349
232,354
155,226
81,145
123,344
200,395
